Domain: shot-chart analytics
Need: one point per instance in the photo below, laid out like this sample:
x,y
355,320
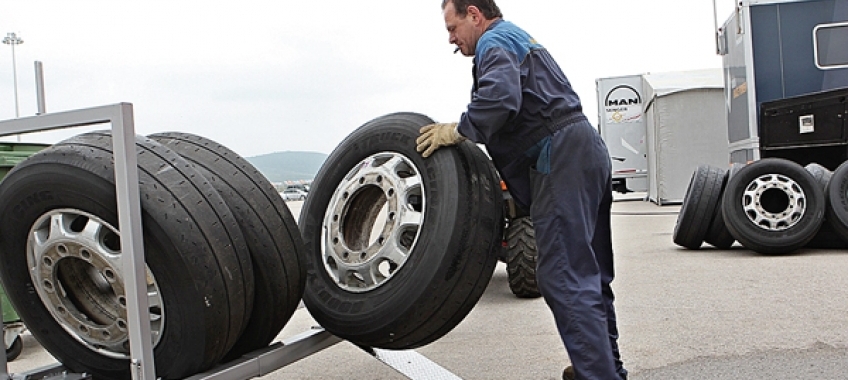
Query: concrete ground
x,y
683,314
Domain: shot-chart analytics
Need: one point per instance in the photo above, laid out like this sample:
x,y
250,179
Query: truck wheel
x,y
826,237
837,200
400,248
521,258
15,349
718,235
773,206
62,266
268,226
699,206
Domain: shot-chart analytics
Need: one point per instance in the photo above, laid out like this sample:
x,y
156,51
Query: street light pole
x,y
12,39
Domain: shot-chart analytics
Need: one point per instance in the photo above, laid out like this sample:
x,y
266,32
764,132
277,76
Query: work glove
x,y
435,136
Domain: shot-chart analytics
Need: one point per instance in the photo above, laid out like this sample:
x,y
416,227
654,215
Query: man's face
x,y
462,31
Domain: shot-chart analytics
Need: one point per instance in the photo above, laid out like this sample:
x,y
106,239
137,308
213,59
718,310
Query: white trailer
x,y
659,127
621,122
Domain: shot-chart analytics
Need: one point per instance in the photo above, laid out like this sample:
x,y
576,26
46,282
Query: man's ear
x,y
475,14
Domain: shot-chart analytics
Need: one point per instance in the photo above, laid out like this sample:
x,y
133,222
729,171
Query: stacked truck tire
x,y
382,254
771,206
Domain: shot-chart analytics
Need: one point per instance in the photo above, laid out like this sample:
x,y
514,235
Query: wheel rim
x,y
373,221
774,202
75,264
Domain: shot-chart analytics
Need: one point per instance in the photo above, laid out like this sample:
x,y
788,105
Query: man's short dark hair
x,y
488,7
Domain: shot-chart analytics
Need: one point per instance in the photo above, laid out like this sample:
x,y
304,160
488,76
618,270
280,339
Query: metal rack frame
x,y
258,363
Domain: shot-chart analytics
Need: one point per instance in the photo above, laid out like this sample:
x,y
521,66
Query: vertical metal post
x,y
12,39
39,88
715,29
132,248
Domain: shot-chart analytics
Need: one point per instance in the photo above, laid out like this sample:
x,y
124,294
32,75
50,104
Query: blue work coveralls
x,y
556,165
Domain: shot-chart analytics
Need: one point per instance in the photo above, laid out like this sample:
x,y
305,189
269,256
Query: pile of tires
x,y
400,248
391,251
771,206
224,257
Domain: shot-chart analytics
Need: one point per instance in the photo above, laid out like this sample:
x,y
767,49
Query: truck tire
x,y
521,258
837,200
400,248
59,213
699,207
826,237
272,236
820,173
718,235
773,206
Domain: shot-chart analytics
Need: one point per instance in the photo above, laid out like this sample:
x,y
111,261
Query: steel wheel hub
x,y
75,264
372,221
774,202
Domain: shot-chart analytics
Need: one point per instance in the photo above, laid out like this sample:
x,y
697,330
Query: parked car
x,y
291,194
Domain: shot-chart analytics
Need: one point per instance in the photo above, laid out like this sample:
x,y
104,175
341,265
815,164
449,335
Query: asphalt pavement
x,y
683,314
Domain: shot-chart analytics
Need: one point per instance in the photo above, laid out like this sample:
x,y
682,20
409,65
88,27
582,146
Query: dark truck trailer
x,y
806,129
786,75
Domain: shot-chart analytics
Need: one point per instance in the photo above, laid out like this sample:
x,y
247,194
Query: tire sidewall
x,y
762,240
837,200
29,200
436,234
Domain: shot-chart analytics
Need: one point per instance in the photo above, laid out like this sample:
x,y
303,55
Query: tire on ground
x,y
59,213
400,247
521,257
773,206
837,200
275,244
827,237
699,207
718,235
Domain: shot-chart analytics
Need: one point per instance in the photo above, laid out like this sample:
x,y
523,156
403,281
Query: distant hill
x,y
288,166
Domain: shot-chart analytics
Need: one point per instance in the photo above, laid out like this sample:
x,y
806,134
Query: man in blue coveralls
x,y
554,163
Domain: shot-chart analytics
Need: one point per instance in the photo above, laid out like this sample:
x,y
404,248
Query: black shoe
x,y
568,373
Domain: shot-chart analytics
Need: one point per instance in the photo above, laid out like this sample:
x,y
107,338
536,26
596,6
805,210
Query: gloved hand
x,y
435,136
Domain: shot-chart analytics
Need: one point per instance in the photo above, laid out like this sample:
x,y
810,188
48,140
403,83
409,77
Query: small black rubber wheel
x,y
699,206
60,230
521,258
15,349
718,235
773,206
276,247
400,247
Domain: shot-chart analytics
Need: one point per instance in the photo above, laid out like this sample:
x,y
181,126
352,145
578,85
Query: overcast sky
x,y
268,76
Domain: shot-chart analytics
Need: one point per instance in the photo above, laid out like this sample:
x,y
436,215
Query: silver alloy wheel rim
x,y
774,202
372,222
75,263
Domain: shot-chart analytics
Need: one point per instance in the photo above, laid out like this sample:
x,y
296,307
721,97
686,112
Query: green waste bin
x,y
11,154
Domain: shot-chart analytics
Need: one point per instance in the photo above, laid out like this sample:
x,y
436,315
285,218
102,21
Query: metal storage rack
x,y
258,363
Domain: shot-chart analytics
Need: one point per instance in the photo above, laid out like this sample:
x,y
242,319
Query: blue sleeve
x,y
497,98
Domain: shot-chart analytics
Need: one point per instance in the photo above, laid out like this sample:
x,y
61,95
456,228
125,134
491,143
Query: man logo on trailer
x,y
623,104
